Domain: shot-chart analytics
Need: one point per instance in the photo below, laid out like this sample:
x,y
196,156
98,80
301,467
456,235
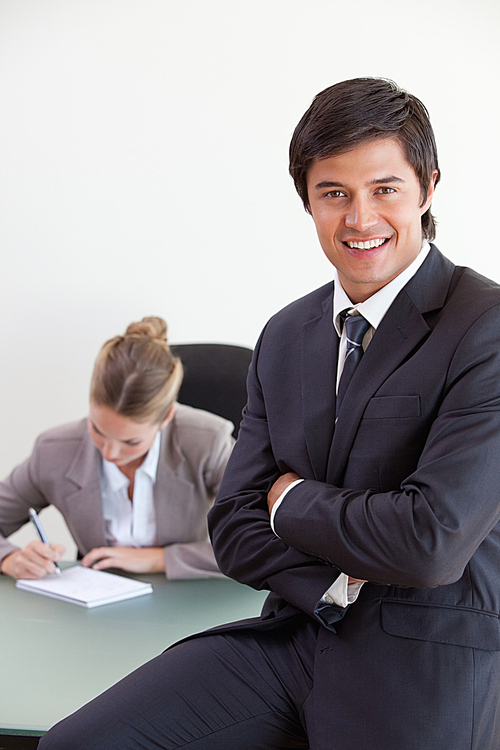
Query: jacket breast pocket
x,y
388,443
393,407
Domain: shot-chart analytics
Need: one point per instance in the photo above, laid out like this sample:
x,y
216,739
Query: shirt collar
x,y
116,480
376,306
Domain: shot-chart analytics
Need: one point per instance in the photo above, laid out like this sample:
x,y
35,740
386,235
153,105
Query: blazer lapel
x,y
84,505
319,356
170,489
400,331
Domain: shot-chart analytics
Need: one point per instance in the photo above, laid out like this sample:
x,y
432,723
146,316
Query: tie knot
x,y
355,328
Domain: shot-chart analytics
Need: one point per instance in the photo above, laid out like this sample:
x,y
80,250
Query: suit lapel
x,y
401,330
319,356
84,505
170,488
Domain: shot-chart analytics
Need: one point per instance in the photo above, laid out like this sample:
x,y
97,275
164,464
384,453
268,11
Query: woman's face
x,y
120,439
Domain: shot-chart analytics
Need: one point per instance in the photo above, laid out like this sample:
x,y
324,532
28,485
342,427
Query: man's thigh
x,y
240,690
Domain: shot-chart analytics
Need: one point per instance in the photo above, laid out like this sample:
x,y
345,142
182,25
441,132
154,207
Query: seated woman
x,y
134,481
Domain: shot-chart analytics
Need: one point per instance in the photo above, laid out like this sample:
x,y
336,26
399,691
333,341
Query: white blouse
x,y
130,524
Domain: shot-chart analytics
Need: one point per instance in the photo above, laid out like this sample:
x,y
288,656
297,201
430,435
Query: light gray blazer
x,y
63,471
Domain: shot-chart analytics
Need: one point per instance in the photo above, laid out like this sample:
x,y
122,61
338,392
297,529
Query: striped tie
x,y
355,328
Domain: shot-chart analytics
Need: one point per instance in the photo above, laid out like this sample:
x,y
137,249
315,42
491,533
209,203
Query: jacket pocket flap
x,y
457,626
393,407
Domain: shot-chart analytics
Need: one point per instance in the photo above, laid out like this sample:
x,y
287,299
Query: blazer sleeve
x,y
424,533
190,560
245,546
18,492
196,559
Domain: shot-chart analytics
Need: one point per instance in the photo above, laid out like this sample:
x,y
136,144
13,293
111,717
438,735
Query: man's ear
x,y
430,193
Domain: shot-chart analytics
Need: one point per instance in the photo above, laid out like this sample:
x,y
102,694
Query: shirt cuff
x,y
280,500
341,592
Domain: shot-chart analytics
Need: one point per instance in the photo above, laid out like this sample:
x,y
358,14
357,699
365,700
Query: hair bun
x,y
152,327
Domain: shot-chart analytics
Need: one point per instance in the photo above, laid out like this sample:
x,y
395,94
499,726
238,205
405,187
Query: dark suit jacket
x,y
404,491
63,471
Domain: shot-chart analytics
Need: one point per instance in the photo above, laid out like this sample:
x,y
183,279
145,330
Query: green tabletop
x,y
56,656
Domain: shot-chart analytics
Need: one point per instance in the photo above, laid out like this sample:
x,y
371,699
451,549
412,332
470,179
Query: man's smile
x,y
367,245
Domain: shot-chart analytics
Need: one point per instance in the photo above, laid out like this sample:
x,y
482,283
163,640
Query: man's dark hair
x,y
357,111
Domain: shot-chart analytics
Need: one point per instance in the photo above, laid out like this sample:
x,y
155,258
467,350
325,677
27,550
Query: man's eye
x,y
335,194
386,190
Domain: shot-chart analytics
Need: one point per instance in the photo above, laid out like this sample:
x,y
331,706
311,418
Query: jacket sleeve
x,y
424,533
190,560
18,492
245,546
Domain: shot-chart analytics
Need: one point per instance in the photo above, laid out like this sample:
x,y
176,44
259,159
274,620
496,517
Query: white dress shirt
x,y
130,524
373,310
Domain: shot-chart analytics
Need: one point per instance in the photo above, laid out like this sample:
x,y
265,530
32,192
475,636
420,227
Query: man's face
x,y
366,206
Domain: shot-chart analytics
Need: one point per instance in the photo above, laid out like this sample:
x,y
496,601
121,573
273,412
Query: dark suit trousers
x,y
217,692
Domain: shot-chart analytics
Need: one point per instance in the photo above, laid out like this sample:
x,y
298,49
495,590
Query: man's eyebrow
x,y
378,181
385,180
328,184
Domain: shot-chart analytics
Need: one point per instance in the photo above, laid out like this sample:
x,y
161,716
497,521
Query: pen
x,y
41,533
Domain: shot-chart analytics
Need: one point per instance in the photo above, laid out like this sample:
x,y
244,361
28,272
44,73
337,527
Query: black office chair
x,y
215,378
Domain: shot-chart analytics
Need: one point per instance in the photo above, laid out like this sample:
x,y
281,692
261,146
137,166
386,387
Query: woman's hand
x,y
131,559
36,560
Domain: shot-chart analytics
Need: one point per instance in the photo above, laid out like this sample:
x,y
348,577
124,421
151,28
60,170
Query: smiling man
x,y
367,207
364,488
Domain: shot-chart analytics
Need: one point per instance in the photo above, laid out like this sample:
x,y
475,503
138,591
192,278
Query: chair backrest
x,y
215,378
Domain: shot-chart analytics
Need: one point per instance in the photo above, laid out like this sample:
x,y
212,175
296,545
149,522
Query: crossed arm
x,y
420,534
279,487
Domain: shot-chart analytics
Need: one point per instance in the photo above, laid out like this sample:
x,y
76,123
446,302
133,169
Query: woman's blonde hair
x,y
136,374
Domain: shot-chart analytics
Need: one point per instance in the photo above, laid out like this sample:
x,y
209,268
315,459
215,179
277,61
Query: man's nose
x,y
361,215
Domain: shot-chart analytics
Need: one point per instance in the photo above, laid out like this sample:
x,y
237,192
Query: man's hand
x,y
280,486
36,560
131,559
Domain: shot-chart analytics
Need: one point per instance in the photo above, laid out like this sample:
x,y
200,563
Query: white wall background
x,y
143,168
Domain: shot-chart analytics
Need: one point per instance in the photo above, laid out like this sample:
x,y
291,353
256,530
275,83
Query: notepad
x,y
86,586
